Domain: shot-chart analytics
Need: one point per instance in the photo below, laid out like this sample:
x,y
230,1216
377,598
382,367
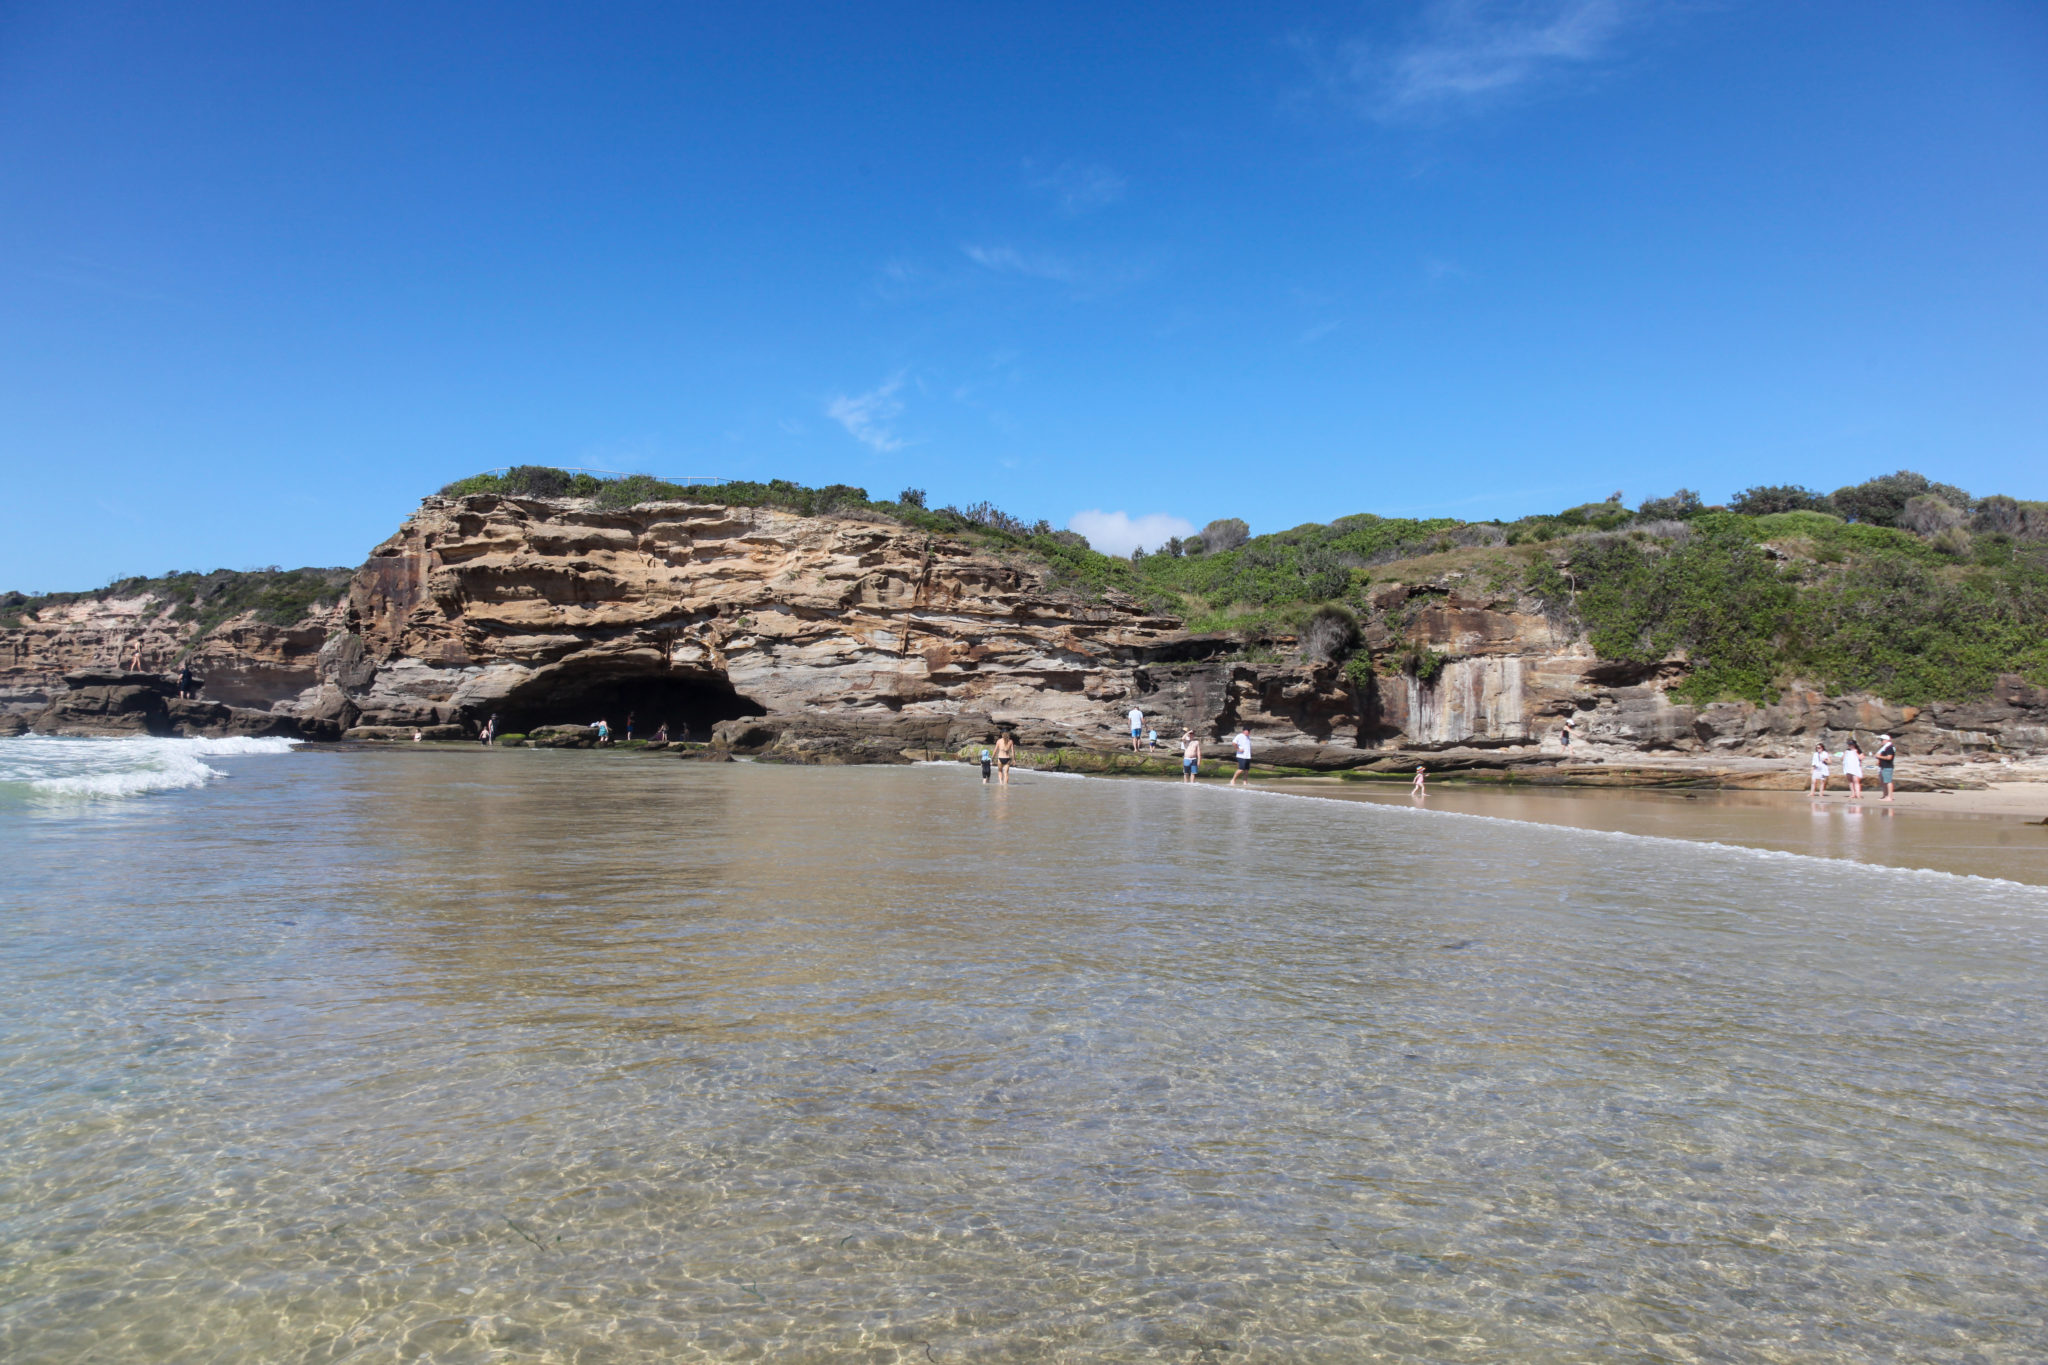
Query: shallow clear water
x,y
540,1056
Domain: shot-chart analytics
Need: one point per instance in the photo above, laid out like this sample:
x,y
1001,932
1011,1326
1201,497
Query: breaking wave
x,y
47,770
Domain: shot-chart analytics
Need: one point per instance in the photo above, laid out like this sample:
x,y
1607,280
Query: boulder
x,y
562,737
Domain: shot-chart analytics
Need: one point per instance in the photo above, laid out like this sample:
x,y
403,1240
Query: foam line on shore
x,y
1880,869
1884,869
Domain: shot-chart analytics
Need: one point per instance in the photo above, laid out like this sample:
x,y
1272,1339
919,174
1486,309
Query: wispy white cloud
x,y
1465,54
867,416
1077,187
1119,533
1317,333
1007,260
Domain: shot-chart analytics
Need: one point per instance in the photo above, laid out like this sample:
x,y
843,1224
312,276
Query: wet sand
x,y
1971,833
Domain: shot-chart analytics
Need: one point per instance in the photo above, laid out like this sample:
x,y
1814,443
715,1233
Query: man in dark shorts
x,y
1244,756
1887,756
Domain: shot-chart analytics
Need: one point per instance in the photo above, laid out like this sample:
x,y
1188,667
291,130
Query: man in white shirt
x,y
1244,755
1137,719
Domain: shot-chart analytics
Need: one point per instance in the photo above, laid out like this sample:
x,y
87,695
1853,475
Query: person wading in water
x,y
1006,753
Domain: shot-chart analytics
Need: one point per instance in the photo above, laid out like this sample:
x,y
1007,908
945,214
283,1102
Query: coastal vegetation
x,y
1901,585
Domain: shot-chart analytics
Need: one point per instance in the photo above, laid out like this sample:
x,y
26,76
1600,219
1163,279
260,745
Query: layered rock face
x,y
687,615
243,664
842,639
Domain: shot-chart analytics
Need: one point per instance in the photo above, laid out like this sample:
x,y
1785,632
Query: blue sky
x,y
270,273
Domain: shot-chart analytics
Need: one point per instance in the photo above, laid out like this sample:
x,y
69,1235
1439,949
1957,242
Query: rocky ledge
x,y
100,702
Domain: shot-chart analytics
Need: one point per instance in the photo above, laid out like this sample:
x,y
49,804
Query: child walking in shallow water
x,y
1421,773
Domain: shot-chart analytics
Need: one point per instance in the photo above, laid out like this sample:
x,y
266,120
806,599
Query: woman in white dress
x,y
1852,768
1819,785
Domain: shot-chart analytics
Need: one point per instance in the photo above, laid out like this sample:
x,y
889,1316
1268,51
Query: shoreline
x,y
1993,829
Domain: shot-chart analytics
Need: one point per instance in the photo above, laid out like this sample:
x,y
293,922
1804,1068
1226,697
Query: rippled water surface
x,y
536,1056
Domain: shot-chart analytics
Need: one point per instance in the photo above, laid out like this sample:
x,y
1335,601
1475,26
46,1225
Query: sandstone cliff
x,y
856,637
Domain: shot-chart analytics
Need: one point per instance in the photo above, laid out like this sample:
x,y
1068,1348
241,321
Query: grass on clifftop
x,y
1901,586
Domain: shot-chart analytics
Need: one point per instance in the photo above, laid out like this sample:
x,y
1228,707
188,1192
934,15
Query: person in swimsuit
x,y
1852,768
1006,753
1819,770
1190,756
1244,756
1421,775
1887,755
984,767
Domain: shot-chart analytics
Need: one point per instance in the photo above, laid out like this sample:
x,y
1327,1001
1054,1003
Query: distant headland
x,y
821,624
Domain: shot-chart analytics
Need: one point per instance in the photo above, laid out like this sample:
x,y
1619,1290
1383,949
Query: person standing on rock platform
x,y
1887,755
629,726
604,731
1819,769
1137,719
1006,754
1244,756
1190,756
1564,734
185,680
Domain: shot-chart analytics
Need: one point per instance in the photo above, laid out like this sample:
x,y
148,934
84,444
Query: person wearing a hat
x,y
1887,755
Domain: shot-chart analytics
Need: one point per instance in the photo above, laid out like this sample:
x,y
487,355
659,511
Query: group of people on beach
x,y
1851,759
996,763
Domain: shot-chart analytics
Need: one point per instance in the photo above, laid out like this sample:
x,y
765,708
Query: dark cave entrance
x,y
688,704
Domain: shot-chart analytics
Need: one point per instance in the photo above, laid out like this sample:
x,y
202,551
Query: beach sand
x,y
1983,833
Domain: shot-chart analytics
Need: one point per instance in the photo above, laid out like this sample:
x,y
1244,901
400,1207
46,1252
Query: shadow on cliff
x,y
581,696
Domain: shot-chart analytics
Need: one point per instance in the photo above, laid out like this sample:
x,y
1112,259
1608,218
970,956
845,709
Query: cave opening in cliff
x,y
688,704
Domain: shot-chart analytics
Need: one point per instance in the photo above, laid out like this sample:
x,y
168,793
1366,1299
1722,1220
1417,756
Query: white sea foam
x,y
49,770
